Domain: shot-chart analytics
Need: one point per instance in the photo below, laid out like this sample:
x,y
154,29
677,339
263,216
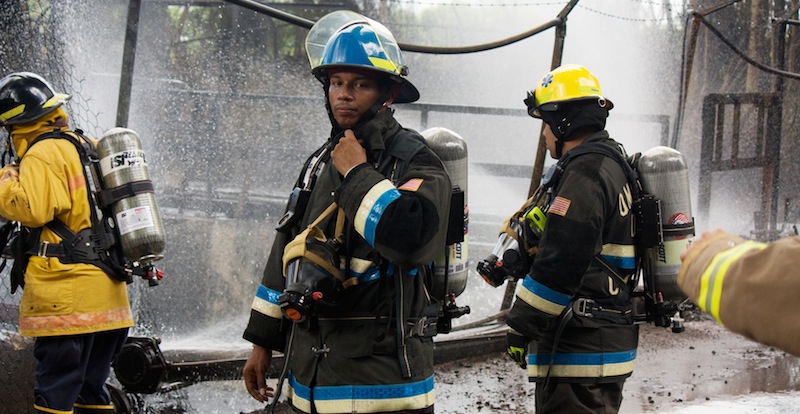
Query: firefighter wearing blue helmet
x,y
343,293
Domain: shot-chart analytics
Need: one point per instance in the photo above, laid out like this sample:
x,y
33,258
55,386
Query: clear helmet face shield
x,y
325,28
332,23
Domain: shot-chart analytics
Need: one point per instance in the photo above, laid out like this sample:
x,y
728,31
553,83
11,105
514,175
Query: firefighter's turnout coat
x,y
566,303
749,287
58,299
373,350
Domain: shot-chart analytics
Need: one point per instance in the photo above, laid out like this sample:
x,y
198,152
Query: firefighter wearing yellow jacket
x,y
355,321
79,315
749,287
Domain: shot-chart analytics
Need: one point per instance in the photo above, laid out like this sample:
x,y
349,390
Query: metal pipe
x,y
558,53
128,60
273,12
299,21
482,47
541,148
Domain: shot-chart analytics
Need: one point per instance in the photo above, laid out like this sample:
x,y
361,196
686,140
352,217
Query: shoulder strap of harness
x,y
632,177
96,245
298,199
600,148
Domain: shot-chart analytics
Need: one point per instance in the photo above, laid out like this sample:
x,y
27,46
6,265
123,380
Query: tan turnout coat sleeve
x,y
749,287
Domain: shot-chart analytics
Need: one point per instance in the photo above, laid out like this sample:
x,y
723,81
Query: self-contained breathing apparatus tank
x,y
664,174
136,216
451,267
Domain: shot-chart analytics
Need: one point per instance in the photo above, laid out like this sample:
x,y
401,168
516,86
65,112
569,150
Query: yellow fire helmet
x,y
566,83
347,39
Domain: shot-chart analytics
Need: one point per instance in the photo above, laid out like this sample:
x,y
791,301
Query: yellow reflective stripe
x,y
95,406
539,302
37,325
57,98
383,64
50,410
582,371
619,250
365,208
384,405
358,265
711,281
302,404
267,308
5,116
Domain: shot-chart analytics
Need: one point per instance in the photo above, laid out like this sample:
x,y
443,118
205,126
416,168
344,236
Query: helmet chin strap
x,y
559,148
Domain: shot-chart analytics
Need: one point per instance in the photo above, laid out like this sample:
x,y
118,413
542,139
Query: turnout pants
x,y
577,398
71,372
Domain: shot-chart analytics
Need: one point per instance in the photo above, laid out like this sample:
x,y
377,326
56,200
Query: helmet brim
x,y
408,93
55,102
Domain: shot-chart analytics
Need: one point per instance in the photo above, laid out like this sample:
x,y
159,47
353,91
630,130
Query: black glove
x,y
517,347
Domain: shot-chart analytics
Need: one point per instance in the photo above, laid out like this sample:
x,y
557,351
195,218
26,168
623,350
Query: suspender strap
x,y
611,270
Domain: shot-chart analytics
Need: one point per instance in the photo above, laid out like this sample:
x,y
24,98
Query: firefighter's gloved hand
x,y
517,347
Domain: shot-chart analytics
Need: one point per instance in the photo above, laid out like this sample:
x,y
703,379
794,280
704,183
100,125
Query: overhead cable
x,y
744,56
436,50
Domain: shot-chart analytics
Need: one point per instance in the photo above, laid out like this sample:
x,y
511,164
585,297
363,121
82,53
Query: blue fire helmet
x,y
354,41
26,97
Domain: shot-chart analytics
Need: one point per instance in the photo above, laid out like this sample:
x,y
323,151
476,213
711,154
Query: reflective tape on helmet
x,y
11,113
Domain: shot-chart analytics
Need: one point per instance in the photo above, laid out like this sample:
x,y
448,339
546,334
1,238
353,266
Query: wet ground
x,y
704,369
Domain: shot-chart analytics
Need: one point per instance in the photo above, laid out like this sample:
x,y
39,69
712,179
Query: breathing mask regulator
x,y
311,263
512,254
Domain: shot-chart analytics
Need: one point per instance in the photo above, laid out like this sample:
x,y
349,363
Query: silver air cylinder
x,y
452,264
664,174
122,161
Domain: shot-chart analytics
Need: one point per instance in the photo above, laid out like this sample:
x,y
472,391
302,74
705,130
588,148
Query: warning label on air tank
x,y
121,160
134,219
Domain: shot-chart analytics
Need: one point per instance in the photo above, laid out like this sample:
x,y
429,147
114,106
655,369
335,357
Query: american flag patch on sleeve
x,y
411,185
560,206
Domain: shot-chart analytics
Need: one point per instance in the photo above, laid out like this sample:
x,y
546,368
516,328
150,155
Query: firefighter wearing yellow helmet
x,y
571,325
345,299
568,99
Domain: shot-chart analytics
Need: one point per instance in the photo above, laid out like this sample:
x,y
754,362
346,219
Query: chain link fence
x,y
222,100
